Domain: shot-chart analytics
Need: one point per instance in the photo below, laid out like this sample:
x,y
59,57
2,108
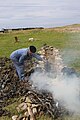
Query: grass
x,y
68,41
72,118
11,108
53,38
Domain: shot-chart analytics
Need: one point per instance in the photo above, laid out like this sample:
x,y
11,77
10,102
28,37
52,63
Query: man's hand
x,y
43,58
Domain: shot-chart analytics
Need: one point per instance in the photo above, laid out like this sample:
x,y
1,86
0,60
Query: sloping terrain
x,y
11,87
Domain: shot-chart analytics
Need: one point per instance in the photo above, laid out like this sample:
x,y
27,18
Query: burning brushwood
x,y
54,61
22,107
36,104
34,101
30,112
14,117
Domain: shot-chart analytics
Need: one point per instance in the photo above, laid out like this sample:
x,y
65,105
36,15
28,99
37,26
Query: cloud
x,y
53,12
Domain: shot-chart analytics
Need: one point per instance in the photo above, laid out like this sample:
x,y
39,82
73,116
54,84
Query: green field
x,y
66,39
51,37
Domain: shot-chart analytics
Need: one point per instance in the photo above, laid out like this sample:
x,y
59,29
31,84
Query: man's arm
x,y
38,57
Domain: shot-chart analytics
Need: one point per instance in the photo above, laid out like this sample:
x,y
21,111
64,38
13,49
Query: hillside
x,y
14,92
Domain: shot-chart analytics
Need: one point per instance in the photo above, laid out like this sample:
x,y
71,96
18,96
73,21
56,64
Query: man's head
x,y
32,49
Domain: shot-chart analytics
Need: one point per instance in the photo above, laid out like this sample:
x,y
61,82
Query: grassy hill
x,y
66,38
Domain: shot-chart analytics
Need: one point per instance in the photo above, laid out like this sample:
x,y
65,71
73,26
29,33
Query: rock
x,y
14,117
22,107
1,111
3,86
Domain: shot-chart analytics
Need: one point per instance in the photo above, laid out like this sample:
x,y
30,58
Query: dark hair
x,y
32,49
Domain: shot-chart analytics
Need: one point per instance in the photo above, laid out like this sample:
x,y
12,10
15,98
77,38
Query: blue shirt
x,y
21,55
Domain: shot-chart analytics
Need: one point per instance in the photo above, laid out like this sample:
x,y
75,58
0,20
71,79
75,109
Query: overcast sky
x,y
38,13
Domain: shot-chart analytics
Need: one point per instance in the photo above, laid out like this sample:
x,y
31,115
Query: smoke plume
x,y
64,88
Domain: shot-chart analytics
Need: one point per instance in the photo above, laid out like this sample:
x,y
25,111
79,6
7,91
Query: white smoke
x,y
70,55
64,88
